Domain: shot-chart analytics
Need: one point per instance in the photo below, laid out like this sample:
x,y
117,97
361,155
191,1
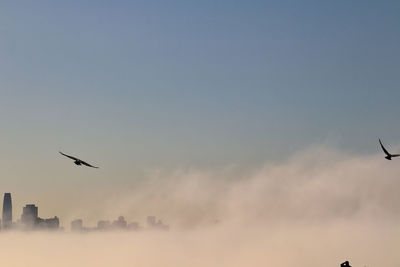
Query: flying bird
x,y
78,161
388,155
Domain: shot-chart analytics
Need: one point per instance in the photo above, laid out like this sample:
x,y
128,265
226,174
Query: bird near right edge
x,y
388,155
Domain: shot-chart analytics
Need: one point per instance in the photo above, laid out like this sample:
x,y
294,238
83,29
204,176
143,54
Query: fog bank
x,y
318,208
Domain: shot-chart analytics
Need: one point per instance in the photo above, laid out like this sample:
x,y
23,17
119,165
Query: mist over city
x,y
256,217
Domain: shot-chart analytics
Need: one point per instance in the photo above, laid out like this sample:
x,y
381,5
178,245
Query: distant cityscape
x,y
31,221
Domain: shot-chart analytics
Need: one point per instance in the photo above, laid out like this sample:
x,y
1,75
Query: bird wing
x,y
87,164
384,149
71,157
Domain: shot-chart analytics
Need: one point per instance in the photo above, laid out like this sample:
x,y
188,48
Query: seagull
x,y
78,161
388,155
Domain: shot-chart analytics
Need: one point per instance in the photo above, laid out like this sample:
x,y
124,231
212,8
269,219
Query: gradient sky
x,y
136,84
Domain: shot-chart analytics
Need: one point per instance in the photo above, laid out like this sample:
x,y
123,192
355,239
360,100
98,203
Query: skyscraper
x,y
31,221
7,211
29,215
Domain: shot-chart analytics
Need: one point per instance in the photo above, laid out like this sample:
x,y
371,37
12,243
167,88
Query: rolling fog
x,y
318,208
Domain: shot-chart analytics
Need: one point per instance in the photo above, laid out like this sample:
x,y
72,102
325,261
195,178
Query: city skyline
x,y
30,220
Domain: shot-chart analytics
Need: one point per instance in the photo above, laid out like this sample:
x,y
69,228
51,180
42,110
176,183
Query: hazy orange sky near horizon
x,y
320,207
323,177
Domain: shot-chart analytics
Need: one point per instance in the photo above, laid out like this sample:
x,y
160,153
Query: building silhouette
x,y
152,223
7,211
77,225
103,225
49,224
120,223
30,219
29,215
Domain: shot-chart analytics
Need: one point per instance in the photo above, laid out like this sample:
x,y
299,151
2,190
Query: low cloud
x,y
318,208
315,186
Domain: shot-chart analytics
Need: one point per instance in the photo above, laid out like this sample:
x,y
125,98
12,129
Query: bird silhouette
x,y
388,155
78,161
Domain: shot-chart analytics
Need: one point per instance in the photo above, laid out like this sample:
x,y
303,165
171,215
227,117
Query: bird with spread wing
x,y
78,161
388,155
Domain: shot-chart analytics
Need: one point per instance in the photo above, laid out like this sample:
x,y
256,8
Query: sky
x,y
195,83
153,90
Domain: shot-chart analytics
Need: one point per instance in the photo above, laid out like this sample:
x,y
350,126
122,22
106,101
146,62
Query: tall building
x,y
77,225
31,220
29,215
7,211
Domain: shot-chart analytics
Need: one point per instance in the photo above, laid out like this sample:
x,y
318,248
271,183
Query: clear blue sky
x,y
197,82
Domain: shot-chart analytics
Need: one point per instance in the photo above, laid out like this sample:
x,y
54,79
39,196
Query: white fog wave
x,y
318,208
